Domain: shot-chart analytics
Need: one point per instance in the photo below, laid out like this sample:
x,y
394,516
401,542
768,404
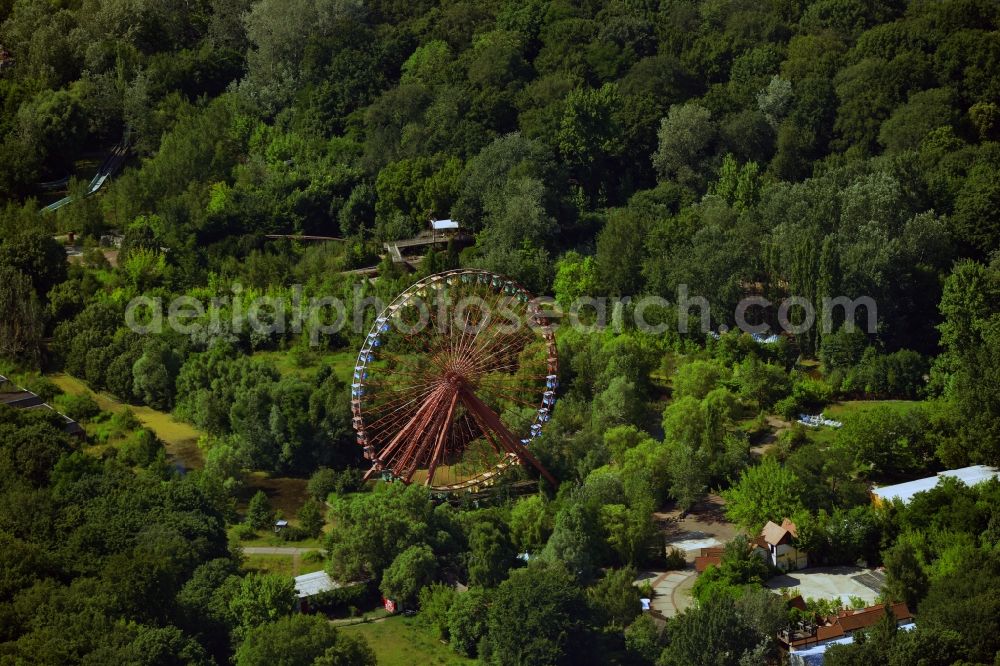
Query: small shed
x,y
280,525
444,225
444,229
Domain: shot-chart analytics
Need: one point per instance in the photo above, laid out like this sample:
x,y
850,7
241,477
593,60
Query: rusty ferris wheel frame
x,y
457,401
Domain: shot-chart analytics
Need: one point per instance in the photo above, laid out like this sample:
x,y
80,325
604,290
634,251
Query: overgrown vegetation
x,y
819,148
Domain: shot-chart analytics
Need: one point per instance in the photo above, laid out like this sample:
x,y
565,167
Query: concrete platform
x,y
839,583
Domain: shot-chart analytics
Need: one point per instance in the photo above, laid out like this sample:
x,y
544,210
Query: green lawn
x,y
180,439
848,409
268,538
341,361
287,565
404,641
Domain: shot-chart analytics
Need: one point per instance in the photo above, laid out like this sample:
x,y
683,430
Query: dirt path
x,y
778,426
288,551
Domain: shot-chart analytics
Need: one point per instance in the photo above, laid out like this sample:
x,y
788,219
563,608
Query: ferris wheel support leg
x,y
489,419
419,420
439,445
423,441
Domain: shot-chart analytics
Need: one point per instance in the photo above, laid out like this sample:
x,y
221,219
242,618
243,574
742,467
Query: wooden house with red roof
x,y
779,542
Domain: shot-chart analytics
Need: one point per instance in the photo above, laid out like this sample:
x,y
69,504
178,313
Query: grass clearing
x,y
286,565
404,641
284,362
286,494
180,439
848,409
269,538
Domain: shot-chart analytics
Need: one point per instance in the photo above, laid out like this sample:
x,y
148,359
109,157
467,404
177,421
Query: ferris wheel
x,y
454,380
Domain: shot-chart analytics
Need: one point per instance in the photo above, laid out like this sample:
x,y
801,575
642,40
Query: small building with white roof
x,y
310,585
444,225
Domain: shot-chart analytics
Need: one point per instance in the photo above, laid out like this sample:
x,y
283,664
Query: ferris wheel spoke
x,y
381,414
495,339
505,339
490,421
379,399
495,307
491,361
510,398
468,351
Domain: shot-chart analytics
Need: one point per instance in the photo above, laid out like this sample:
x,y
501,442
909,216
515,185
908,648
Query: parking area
x,y
704,526
839,583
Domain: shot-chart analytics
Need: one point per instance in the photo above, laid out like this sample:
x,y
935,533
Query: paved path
x,y
277,550
670,590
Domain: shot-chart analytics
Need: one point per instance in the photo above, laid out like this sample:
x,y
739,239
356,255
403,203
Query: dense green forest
x,y
623,148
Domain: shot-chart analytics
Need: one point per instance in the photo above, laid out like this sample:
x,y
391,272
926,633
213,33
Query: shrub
x,y
42,387
345,599
675,560
293,533
245,532
435,601
140,448
79,407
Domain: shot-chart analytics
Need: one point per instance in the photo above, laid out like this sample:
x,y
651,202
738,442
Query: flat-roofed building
x,y
904,492
12,395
